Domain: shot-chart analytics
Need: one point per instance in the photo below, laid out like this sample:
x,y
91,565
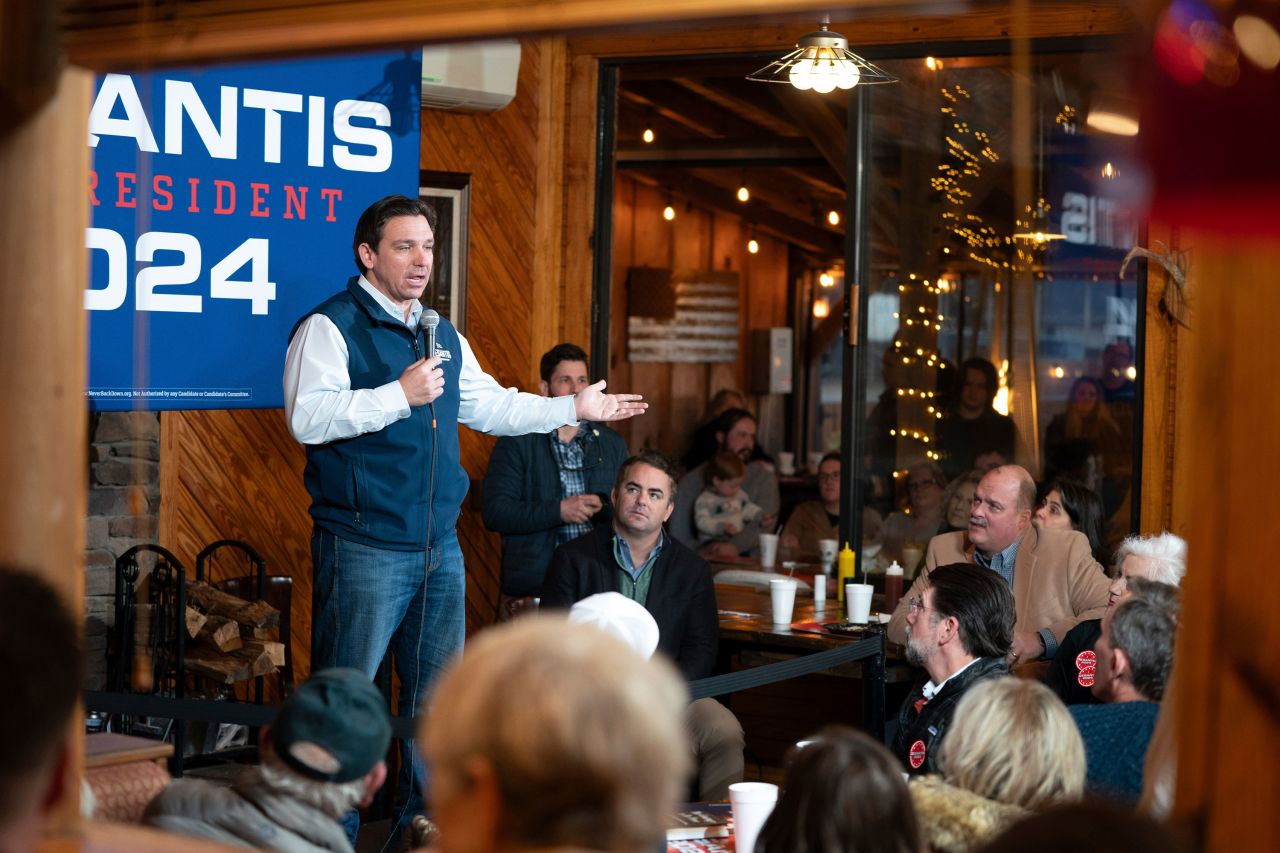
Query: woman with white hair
x,y
1161,558
1011,749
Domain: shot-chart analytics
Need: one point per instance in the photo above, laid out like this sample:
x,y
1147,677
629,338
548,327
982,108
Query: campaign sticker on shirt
x,y
916,754
1086,658
1086,676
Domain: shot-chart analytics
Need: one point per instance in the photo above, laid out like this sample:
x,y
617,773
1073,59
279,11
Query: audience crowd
x,y
579,733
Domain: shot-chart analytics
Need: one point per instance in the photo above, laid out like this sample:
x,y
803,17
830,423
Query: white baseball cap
x,y
614,613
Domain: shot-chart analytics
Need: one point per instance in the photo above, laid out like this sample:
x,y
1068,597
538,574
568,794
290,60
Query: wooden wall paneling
x,y
579,197
1164,344
513,282
549,321
238,475
1227,689
44,167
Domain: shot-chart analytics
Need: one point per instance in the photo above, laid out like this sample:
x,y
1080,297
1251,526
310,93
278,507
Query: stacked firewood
x,y
230,639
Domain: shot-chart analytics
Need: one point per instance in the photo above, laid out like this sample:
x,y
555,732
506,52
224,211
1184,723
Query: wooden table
x,y
747,631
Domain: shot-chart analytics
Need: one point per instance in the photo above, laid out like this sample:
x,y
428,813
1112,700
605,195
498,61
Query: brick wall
x,y
124,510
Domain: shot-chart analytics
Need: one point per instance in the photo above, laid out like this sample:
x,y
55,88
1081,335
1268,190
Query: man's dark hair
x,y
980,601
728,419
375,218
652,458
557,354
1145,625
988,371
43,666
830,455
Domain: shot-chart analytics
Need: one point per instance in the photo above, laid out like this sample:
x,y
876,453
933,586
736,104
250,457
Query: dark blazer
x,y
522,499
921,731
682,599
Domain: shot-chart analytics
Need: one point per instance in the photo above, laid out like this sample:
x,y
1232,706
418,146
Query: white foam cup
x,y
752,804
782,595
768,550
858,598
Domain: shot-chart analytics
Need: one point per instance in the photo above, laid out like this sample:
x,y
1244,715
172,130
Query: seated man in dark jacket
x,y
959,630
635,557
544,489
321,758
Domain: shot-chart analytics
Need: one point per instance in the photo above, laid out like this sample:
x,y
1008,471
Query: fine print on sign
x,y
223,204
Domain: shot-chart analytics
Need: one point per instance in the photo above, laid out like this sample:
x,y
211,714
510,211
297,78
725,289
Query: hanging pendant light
x,y
822,62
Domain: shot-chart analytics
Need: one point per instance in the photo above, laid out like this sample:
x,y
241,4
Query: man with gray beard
x,y
321,758
959,628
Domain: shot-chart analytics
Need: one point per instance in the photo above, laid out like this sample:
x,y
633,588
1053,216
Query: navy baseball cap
x,y
334,728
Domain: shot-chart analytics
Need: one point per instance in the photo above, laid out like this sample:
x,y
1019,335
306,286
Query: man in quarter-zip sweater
x,y
379,417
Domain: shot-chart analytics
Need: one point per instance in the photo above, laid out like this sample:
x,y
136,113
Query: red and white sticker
x,y
1086,668
916,755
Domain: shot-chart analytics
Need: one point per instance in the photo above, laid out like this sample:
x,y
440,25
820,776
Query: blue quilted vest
x,y
388,488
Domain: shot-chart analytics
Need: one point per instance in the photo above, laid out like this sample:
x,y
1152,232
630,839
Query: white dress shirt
x,y
321,406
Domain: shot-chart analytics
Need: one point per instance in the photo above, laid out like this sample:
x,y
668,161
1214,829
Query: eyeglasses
x,y
916,604
920,484
829,476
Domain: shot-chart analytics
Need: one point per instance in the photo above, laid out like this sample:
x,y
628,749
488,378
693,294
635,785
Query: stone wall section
x,y
124,510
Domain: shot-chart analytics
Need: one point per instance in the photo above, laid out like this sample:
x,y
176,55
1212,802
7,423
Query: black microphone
x,y
430,319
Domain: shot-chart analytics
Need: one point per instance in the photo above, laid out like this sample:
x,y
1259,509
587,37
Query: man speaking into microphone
x,y
378,412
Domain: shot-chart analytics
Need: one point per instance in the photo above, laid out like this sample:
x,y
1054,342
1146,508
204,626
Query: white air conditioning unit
x,y
475,77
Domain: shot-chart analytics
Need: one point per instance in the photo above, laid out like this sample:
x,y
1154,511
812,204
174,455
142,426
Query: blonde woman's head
x,y
1013,741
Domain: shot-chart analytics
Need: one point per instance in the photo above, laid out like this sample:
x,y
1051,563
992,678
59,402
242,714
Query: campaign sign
x,y
223,203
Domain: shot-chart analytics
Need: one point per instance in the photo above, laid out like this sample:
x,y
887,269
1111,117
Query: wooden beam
x,y
806,236
678,103
44,169
815,117
145,34
740,151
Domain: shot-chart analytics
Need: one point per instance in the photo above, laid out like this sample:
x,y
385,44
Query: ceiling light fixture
x,y
752,246
668,213
822,62
833,217
647,136
744,194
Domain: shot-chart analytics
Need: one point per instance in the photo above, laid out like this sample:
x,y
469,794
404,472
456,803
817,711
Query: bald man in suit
x,y
1056,582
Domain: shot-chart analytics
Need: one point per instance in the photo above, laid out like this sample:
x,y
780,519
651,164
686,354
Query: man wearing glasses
x,y
1055,580
544,489
959,627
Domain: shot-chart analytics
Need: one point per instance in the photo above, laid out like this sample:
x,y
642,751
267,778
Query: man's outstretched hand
x,y
592,404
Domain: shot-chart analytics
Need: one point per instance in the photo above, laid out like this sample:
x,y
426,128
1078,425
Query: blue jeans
x,y
412,603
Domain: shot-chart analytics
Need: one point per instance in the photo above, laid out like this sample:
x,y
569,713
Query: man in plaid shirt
x,y
543,490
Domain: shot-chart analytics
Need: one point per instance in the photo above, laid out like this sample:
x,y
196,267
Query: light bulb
x,y
668,213
848,73
833,217
744,194
801,73
824,76
648,135
753,246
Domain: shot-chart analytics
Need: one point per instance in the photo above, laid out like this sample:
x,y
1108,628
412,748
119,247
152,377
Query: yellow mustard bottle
x,y
847,562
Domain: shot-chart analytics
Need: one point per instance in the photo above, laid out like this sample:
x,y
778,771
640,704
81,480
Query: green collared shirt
x,y
634,582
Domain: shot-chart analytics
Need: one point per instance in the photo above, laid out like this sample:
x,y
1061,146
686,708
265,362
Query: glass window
x,y
997,331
